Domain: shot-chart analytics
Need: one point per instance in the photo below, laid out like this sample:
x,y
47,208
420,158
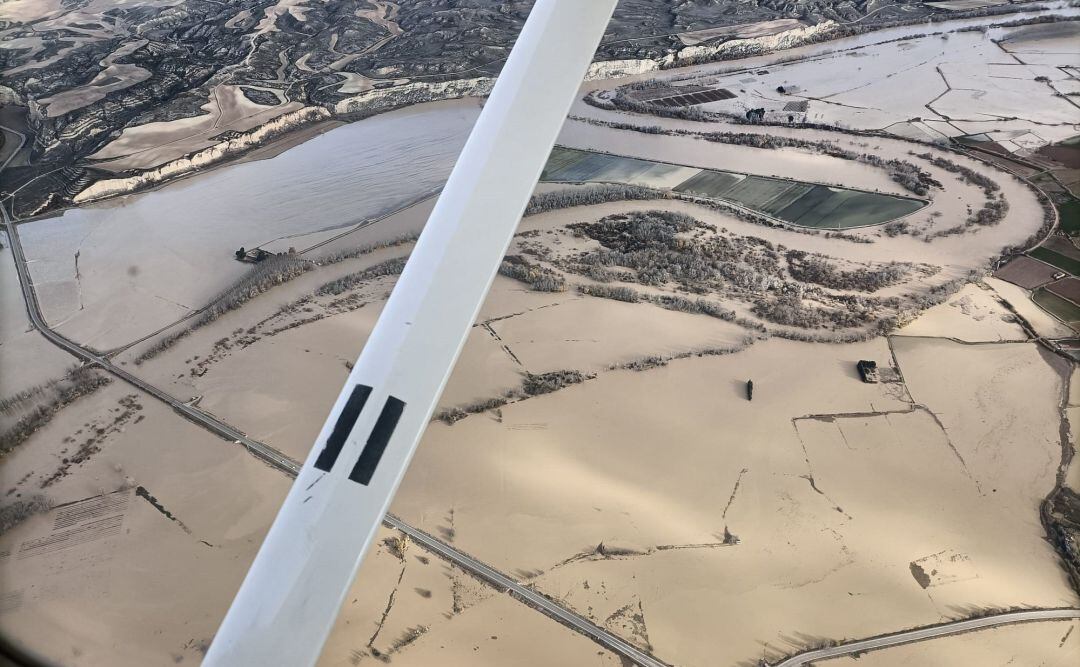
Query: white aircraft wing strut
x,y
288,602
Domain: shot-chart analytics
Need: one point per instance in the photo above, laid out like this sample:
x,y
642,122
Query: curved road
x,y
922,634
290,467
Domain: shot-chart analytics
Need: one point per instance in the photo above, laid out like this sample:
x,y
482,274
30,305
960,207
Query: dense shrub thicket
x,y
545,383
532,385
272,271
390,267
809,268
53,396
543,202
21,510
657,248
620,102
359,251
615,292
908,175
654,246
539,278
988,185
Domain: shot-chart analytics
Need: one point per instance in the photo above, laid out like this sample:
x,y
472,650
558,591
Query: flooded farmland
x,y
799,203
171,249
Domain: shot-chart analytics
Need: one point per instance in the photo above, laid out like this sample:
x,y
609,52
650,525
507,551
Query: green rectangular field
x,y
757,193
1062,246
1064,310
560,158
583,166
799,208
794,202
788,197
1070,217
1064,263
860,209
709,183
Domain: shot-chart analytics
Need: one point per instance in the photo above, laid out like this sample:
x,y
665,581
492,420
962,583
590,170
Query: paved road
x,y
222,429
526,595
468,563
923,634
291,467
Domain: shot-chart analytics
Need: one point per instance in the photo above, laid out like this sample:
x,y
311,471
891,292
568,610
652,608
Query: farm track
x,y
923,634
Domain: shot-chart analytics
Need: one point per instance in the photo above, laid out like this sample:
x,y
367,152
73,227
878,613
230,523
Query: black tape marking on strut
x,y
377,441
345,422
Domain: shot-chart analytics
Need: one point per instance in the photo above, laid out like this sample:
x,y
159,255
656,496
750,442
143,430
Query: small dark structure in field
x,y
755,115
868,370
251,256
749,390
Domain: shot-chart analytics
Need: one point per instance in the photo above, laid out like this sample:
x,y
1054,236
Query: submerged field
x,y
798,203
596,441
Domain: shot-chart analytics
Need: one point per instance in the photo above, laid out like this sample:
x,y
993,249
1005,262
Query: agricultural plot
x,y
1026,272
1062,246
709,183
570,165
677,96
1069,213
701,97
802,204
1068,288
795,202
1063,309
845,209
760,193
1057,259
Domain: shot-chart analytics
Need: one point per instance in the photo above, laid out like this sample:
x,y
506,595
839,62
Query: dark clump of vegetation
x,y
636,231
657,247
21,510
620,102
896,228
52,398
991,213
1049,216
272,271
539,278
532,385
907,175
788,309
695,306
658,361
162,345
545,383
586,196
1060,514
456,414
989,187
808,268
614,292
390,267
359,251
